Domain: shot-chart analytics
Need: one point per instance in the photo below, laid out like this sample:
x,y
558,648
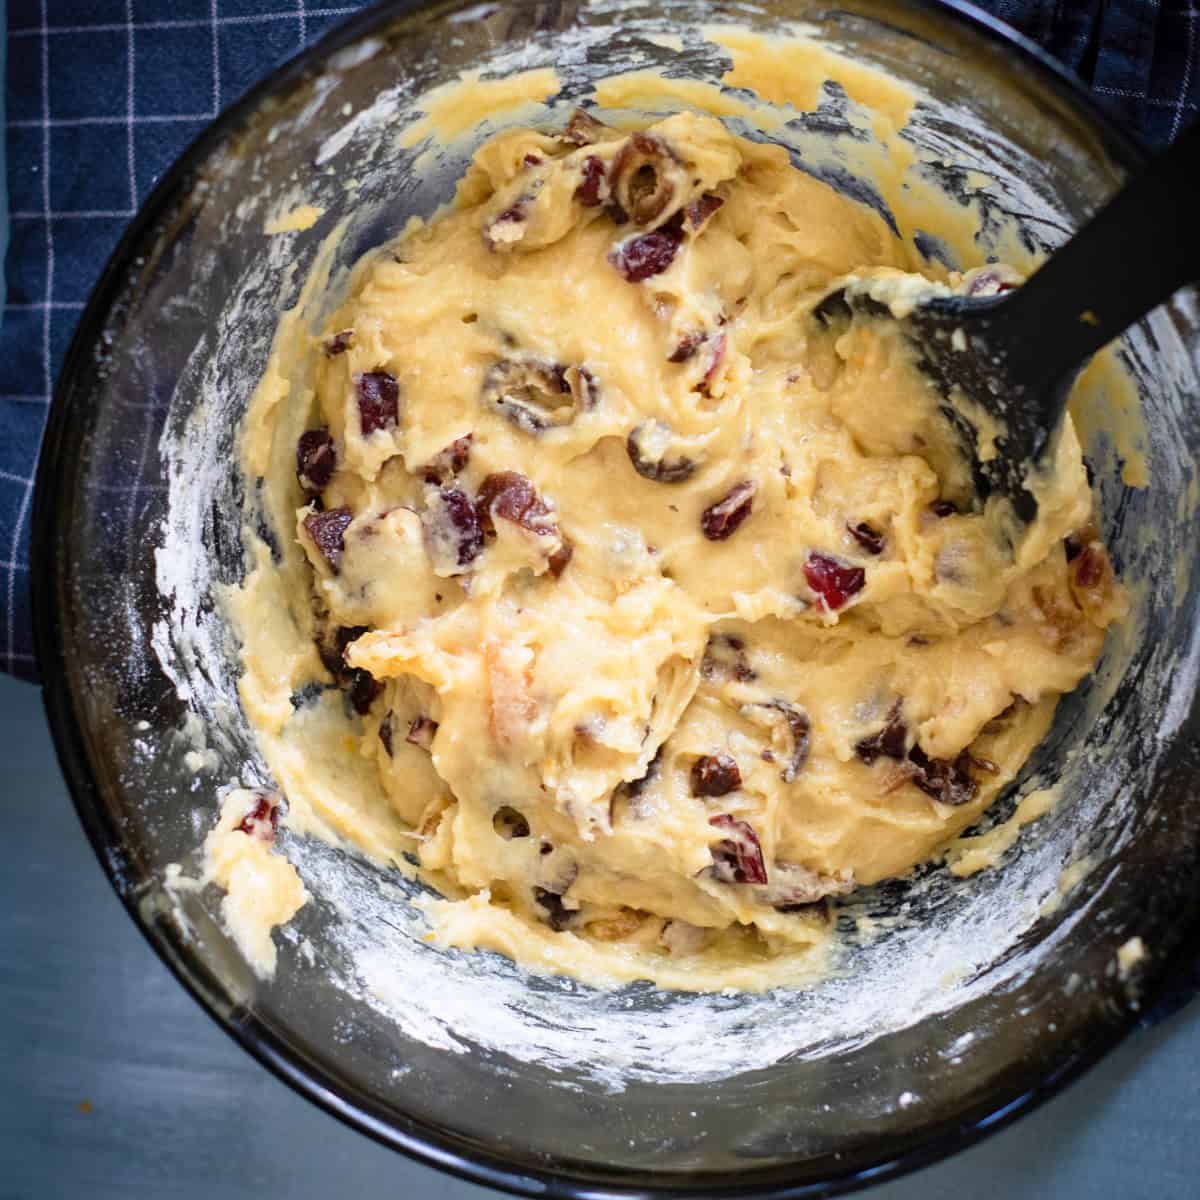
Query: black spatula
x,y
1016,355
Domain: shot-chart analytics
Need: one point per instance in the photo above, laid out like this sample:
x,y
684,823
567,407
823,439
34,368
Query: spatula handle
x,y
1130,257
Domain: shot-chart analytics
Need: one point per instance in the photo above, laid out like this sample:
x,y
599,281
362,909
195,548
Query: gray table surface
x,y
114,1083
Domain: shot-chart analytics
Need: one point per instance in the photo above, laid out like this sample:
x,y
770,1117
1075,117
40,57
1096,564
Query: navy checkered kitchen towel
x,y
102,95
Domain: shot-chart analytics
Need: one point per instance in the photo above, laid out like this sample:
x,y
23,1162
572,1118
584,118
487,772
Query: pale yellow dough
x,y
570,705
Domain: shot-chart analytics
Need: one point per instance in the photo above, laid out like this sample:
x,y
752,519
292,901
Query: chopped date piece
x,y
715,775
889,742
558,915
582,385
948,781
869,538
560,558
700,211
646,255
262,821
725,657
944,508
583,129
510,823
533,393
721,520
644,178
738,857
531,160
1072,546
378,401
616,213
647,447
833,582
450,461
328,532
362,688
688,345
511,495
386,731
453,535
420,732
1091,565
780,717
339,343
316,460
592,184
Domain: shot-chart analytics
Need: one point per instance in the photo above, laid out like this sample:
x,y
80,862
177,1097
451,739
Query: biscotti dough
x,y
653,612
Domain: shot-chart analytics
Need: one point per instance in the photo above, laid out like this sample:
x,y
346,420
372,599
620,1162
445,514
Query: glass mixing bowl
x,y
976,998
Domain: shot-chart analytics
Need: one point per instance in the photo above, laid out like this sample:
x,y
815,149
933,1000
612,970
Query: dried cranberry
x,y
450,461
889,742
531,160
511,495
715,775
722,519
420,732
870,539
316,460
509,823
701,210
588,193
339,343
737,858
646,255
378,401
262,821
948,781
328,532
362,688
834,582
558,915
452,532
944,508
386,731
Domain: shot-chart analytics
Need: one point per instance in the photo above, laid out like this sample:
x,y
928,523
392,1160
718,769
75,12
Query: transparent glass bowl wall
x,y
157,345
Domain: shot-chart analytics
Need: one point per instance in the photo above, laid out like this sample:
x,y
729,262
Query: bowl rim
x,y
419,1140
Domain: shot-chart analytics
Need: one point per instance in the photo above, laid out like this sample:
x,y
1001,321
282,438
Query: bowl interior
x,y
970,998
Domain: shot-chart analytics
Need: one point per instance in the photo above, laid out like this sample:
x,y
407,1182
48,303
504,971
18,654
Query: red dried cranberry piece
x,y
948,781
316,460
262,821
701,210
386,732
339,343
328,532
722,519
870,539
889,742
558,915
450,461
378,401
646,255
715,775
833,581
588,193
737,858
452,528
511,495
420,732
944,508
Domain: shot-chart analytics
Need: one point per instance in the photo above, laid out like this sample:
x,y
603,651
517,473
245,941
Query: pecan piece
x,y
328,533
722,519
738,857
715,775
647,449
316,460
